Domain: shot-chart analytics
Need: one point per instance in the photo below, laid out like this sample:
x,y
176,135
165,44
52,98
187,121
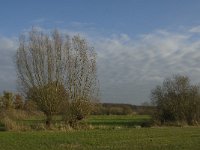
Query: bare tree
x,y
82,81
53,68
177,100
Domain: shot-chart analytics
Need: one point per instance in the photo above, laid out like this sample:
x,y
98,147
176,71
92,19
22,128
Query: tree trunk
x,y
48,121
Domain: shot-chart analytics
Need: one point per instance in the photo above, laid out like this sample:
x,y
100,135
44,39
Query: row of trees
x,y
58,73
113,109
177,100
11,101
123,109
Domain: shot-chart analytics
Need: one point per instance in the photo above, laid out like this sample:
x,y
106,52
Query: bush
x,y
11,119
77,111
38,126
6,101
9,124
8,118
177,101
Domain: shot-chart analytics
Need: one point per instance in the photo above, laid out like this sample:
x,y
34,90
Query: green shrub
x,y
77,111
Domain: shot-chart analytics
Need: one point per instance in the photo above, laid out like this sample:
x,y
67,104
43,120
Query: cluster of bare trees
x,y
177,100
58,72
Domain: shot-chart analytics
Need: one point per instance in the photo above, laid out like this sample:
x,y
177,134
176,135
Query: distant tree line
x,y
10,100
122,109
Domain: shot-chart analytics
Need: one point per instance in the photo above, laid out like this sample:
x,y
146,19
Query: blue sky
x,y
109,16
139,42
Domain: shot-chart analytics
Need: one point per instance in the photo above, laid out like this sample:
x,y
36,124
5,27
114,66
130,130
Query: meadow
x,y
109,132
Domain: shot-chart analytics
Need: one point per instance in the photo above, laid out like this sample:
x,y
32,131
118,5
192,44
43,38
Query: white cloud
x,y
7,44
145,62
128,68
8,48
195,29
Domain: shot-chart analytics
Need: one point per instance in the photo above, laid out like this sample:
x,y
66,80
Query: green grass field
x,y
126,137
101,120
118,120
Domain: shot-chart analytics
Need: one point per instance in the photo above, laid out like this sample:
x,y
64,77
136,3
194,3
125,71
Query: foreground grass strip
x,y
130,138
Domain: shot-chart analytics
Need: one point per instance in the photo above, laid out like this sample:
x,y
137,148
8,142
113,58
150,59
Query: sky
x,y
138,42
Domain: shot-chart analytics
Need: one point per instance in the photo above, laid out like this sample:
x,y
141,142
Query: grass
x,y
126,137
106,120
118,120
